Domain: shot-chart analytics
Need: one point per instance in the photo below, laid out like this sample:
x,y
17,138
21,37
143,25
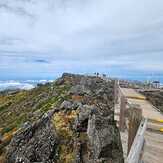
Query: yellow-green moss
x,y
66,154
63,122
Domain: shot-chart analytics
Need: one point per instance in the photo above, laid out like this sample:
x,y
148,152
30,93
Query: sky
x,y
41,39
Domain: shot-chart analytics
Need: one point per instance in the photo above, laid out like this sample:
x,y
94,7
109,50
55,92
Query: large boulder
x,y
34,143
104,139
81,121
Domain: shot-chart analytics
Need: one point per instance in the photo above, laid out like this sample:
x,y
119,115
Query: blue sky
x,y
44,38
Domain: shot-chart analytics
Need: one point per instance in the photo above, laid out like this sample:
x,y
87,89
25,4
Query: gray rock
x,y
66,105
37,113
79,90
95,139
81,121
85,110
77,104
87,81
59,81
104,139
34,143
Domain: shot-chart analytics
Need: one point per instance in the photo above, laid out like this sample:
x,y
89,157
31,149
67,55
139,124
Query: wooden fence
x,y
131,119
136,150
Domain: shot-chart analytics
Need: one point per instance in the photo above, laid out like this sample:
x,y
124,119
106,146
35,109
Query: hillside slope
x,y
70,120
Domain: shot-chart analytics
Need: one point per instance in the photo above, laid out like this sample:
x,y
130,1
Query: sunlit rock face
x,y
76,125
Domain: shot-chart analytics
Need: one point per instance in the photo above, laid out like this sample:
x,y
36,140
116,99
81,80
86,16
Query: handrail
x,y
137,146
135,153
120,90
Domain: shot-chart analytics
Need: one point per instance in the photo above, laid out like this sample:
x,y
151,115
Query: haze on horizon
x,y
44,38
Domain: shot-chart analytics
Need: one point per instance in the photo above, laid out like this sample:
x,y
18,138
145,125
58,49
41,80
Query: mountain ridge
x,y
81,126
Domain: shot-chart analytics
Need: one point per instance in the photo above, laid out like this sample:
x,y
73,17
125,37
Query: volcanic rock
x,y
34,143
104,139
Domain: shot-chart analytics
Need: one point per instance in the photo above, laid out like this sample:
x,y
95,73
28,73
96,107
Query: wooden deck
x,y
153,150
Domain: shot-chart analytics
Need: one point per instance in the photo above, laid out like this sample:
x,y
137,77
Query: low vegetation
x,y
156,98
22,106
72,121
64,127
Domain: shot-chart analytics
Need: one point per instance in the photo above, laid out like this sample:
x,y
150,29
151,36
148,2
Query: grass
x,y
16,109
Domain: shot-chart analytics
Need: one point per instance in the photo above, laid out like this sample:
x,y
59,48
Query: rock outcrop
x,y
104,139
81,130
34,143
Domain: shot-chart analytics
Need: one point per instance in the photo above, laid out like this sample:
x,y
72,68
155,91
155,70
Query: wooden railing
x,y
131,119
136,151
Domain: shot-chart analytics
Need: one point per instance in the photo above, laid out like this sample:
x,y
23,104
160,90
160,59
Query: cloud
x,y
15,85
43,37
41,61
16,10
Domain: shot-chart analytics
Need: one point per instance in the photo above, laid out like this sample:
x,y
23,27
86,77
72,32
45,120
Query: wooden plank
x,y
116,85
135,117
122,113
120,91
149,111
153,149
135,153
131,93
157,121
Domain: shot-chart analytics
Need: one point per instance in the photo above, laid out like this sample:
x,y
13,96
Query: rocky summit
x,y
68,121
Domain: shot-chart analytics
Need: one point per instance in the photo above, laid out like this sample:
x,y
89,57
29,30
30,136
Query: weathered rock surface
x,y
104,139
81,122
66,105
34,143
79,90
82,131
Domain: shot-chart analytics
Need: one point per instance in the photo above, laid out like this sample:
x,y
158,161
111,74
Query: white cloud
x,y
15,85
91,33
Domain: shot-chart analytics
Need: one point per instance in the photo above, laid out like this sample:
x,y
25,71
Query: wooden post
x,y
135,117
116,92
123,103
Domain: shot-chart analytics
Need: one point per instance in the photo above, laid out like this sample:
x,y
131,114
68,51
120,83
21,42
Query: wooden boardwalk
x,y
149,111
153,149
